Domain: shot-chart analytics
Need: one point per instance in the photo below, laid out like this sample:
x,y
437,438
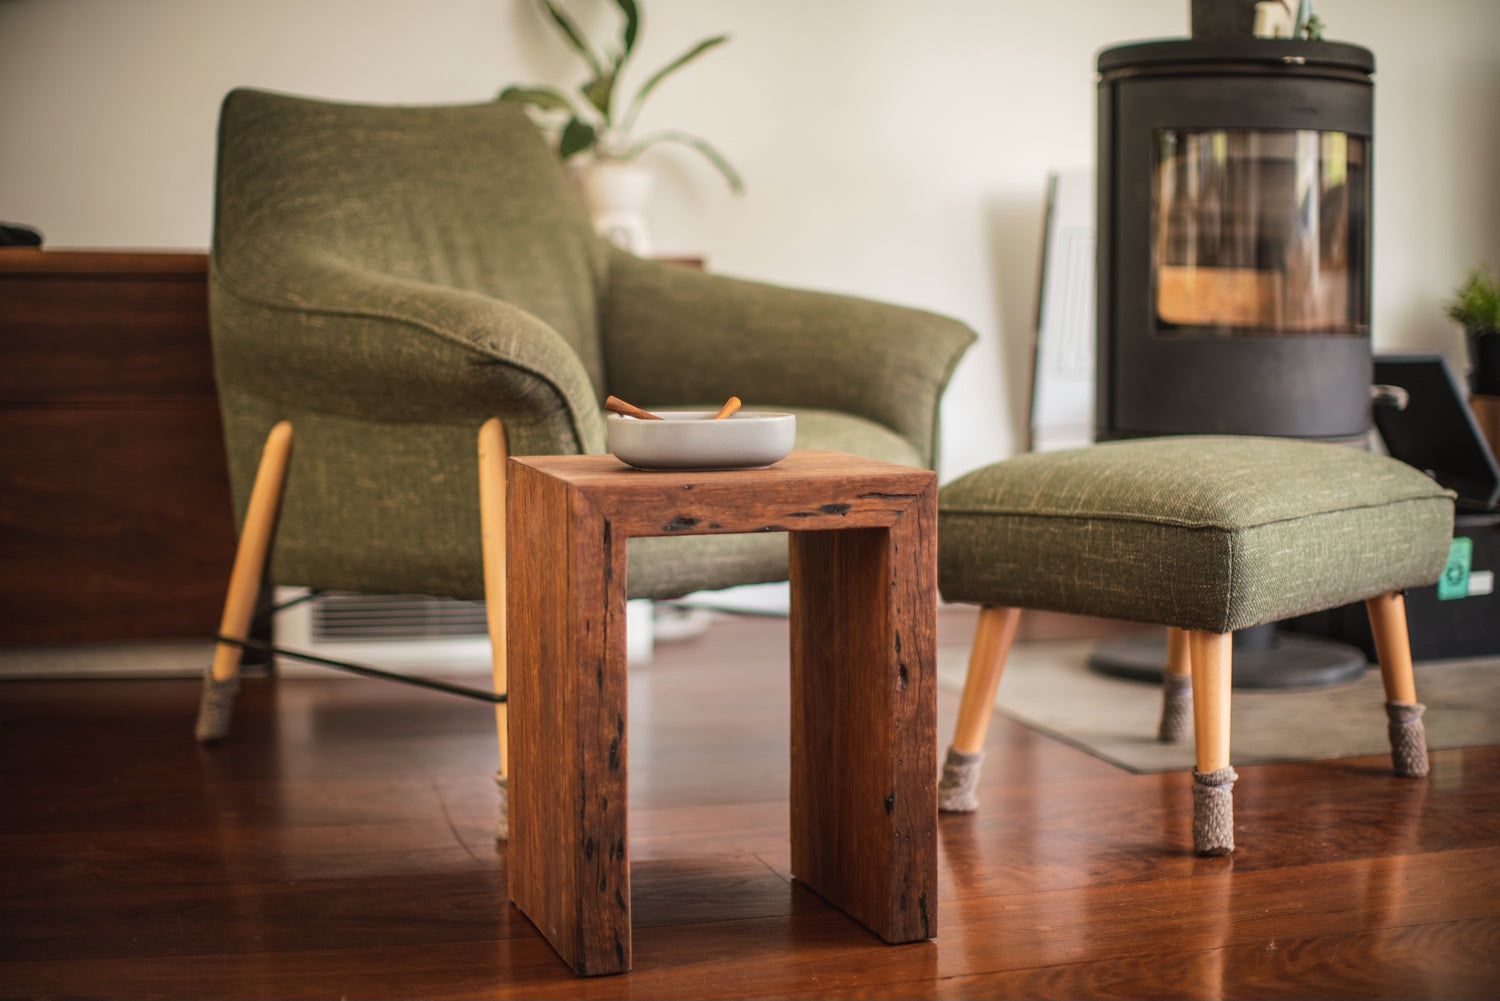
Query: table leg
x,y
864,721
568,865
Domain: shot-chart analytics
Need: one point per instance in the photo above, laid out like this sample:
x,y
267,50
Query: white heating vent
x,y
360,618
414,634
411,633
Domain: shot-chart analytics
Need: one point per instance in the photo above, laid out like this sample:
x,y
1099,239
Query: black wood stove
x,y
1234,239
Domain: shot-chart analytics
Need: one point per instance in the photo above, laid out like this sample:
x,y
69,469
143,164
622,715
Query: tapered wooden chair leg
x,y
1393,646
992,640
1213,778
492,456
1176,690
222,680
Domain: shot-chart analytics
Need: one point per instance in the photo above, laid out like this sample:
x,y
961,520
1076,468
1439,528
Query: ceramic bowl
x,y
694,440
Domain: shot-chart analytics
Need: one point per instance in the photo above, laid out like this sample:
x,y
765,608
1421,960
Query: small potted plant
x,y
595,134
1476,305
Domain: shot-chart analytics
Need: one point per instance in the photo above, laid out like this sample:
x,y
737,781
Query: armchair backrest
x,y
467,197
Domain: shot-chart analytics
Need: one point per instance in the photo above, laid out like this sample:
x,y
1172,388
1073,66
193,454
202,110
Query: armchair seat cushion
x,y
669,568
1214,533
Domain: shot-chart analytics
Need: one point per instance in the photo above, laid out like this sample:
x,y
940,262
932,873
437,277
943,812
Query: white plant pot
x,y
617,195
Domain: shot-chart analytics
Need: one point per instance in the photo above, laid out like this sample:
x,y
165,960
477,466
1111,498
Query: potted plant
x,y
1476,305
593,132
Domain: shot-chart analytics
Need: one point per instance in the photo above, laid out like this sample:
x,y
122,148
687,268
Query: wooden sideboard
x,y
1487,413
115,514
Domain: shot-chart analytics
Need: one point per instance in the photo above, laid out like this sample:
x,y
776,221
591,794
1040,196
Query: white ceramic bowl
x,y
694,440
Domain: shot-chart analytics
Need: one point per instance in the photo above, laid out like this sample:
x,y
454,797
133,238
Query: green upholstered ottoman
x,y
1206,535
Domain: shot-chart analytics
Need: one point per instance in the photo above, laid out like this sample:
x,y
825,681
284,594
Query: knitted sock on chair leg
x,y
215,707
1176,709
1213,811
502,828
960,778
1408,738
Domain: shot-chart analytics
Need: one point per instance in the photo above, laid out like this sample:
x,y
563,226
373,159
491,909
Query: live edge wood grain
x,y
863,666
806,491
863,780
568,750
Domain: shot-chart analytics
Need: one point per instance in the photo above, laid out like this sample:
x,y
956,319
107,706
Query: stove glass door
x,y
1259,233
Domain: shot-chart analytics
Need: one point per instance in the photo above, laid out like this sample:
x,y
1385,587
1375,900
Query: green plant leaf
x,y
577,136
600,91
574,35
630,29
663,73
544,98
1476,303
712,155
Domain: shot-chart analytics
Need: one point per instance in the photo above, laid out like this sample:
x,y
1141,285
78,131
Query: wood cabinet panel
x,y
92,339
115,515
114,524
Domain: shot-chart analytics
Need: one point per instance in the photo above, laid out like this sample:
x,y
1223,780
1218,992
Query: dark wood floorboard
x,y
340,845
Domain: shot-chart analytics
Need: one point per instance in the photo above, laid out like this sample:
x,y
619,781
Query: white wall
x,y
892,148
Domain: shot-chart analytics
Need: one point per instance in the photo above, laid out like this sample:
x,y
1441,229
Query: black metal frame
x,y
364,670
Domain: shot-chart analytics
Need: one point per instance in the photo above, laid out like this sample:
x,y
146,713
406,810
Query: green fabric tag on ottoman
x,y
1455,580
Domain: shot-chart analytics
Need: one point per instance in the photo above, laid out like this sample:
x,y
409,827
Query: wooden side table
x,y
863,554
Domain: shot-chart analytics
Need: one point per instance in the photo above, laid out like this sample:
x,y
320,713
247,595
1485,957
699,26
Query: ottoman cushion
x,y
1215,533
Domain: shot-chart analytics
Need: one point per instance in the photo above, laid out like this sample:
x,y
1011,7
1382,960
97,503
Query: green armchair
x,y
387,280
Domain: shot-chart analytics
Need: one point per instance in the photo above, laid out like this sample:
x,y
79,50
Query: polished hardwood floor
x,y
340,845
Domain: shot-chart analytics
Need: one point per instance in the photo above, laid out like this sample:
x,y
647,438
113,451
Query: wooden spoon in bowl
x,y
619,406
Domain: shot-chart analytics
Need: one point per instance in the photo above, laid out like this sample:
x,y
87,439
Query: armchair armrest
x,y
673,336
327,336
